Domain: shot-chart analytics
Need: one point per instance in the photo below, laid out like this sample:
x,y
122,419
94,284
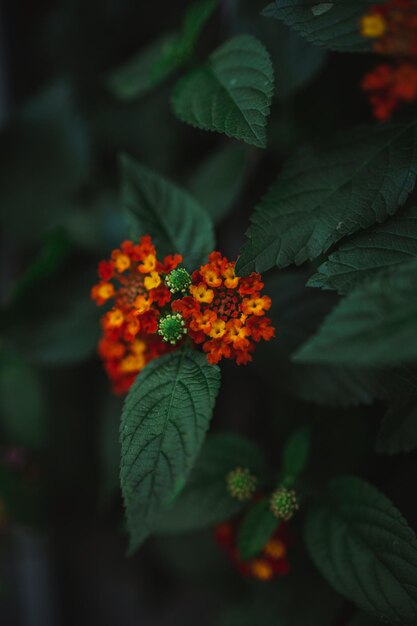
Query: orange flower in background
x,y
271,562
393,27
225,313
132,282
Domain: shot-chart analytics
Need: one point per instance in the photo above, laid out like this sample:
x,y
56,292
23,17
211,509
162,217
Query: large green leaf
x,y
162,57
205,499
297,313
164,421
231,93
360,178
256,529
216,183
363,255
375,324
365,549
334,25
172,217
399,427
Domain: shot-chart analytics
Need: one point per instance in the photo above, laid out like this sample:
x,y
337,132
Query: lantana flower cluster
x,y
153,305
271,562
132,282
393,27
225,313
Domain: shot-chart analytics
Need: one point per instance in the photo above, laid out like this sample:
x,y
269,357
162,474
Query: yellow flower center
x,y
122,262
275,549
152,281
218,329
261,569
373,25
106,291
148,264
202,294
132,363
142,304
115,318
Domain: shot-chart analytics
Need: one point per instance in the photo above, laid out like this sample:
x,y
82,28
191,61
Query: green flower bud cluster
x,y
283,503
172,328
178,280
241,484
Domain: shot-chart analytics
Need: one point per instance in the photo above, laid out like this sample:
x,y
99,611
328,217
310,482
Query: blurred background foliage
x,y
75,92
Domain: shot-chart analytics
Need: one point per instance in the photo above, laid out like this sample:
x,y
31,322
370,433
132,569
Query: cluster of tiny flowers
x,y
393,27
284,503
271,562
241,484
225,313
132,281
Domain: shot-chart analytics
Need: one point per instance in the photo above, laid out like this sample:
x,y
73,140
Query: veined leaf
x,y
399,427
153,65
361,178
297,313
364,548
216,183
205,499
164,421
375,324
334,25
231,93
365,254
172,217
257,527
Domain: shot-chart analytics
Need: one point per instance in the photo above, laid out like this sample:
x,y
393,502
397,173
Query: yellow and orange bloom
x,y
392,26
132,282
225,313
271,562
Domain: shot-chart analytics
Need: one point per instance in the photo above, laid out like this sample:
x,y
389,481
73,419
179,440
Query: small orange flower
x,y
225,313
102,292
133,281
202,294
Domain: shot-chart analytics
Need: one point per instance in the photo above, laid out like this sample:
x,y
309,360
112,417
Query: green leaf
x,y
364,548
334,25
156,207
164,422
373,325
365,254
256,529
297,62
325,194
399,427
217,182
297,313
295,454
161,58
231,93
205,499
62,327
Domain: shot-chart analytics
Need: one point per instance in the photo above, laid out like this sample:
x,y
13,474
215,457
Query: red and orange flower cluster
x,y
225,313
273,560
132,280
393,26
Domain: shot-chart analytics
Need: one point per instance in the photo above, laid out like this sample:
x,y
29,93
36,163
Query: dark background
x,y
62,548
